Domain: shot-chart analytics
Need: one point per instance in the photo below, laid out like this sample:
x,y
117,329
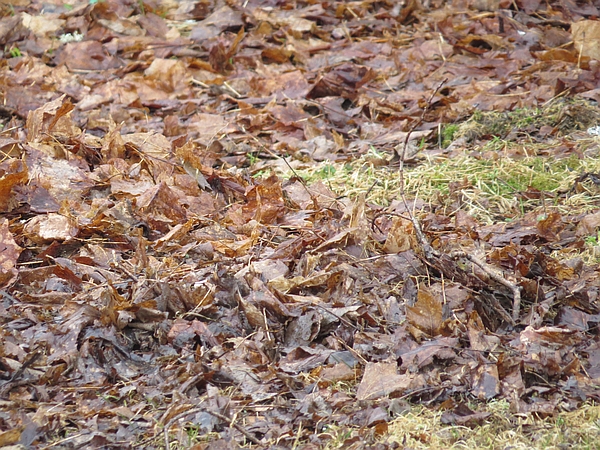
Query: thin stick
x,y
427,249
515,290
237,426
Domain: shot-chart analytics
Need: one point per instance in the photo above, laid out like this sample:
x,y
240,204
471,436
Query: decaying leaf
x,y
399,237
13,173
586,37
382,379
426,314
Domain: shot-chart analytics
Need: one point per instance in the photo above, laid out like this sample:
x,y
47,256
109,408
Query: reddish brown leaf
x,y
88,55
265,201
344,80
13,173
161,207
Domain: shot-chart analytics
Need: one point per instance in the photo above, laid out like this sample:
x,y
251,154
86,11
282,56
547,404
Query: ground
x,y
273,224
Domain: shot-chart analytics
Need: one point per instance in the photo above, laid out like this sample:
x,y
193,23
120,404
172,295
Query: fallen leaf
x,y
426,314
383,380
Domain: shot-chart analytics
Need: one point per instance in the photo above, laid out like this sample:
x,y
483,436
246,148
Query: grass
x,y
489,190
15,52
421,428
448,134
565,115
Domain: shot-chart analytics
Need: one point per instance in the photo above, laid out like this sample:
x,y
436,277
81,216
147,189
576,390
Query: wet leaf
x,y
426,314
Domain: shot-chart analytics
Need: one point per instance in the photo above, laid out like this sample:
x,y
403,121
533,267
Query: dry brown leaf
x,y
13,173
586,38
50,227
382,380
7,438
426,314
400,238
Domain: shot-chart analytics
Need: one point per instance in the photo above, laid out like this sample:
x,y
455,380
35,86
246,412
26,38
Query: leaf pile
x,y
152,285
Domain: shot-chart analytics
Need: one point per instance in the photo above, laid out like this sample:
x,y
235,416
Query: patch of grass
x,y
188,436
488,189
15,52
326,172
421,428
590,254
593,240
336,436
566,115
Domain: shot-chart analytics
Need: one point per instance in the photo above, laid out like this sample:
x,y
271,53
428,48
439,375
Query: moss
x,y
448,133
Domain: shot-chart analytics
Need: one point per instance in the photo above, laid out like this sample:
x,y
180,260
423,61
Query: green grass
x,y
565,115
448,133
15,52
489,189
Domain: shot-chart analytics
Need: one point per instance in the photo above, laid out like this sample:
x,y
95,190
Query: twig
x,y
166,435
427,249
14,381
515,290
375,183
351,350
8,296
340,318
413,129
237,426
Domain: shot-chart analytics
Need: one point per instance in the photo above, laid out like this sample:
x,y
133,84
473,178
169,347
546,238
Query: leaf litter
x,y
164,286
